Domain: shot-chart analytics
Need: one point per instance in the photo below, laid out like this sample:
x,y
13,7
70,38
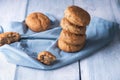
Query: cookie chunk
x,y
9,37
3,40
77,15
71,38
69,48
66,25
46,57
37,22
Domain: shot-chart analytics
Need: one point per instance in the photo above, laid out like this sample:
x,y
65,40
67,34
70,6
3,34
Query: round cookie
x,y
69,48
77,15
66,25
37,22
71,38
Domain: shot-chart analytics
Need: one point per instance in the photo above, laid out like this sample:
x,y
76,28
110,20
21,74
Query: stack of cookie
x,y
72,37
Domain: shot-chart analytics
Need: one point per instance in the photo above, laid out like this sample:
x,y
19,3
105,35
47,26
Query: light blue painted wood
x,y
70,72
104,64
7,70
116,9
10,10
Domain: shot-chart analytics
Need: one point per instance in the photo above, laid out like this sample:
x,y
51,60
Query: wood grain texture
x,y
7,70
12,10
116,9
71,72
104,64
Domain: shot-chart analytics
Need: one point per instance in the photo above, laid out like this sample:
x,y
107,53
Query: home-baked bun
x,y
77,15
46,57
66,25
69,48
71,38
37,22
9,37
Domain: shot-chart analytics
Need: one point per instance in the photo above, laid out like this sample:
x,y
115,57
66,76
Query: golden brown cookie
x,y
46,57
66,25
73,39
9,37
37,22
69,48
77,15
3,40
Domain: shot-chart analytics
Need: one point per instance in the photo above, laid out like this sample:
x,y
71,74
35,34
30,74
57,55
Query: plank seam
x,y
79,70
15,76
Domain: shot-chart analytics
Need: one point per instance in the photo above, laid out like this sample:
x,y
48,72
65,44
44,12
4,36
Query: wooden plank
x,y
10,10
7,70
71,72
116,9
104,64
66,73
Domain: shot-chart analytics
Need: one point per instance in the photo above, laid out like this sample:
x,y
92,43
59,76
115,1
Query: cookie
x,y
66,25
77,15
9,37
69,48
3,40
71,38
46,57
37,22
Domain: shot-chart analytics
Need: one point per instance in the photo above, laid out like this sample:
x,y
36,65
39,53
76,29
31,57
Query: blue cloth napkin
x,y
99,33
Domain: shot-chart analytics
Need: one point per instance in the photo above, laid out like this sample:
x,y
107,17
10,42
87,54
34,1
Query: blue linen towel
x,y
99,33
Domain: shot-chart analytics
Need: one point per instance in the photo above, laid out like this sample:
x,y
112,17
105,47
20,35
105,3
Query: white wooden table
x,y
103,65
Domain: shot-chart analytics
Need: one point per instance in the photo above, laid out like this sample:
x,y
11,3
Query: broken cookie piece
x,y
3,40
46,57
9,37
